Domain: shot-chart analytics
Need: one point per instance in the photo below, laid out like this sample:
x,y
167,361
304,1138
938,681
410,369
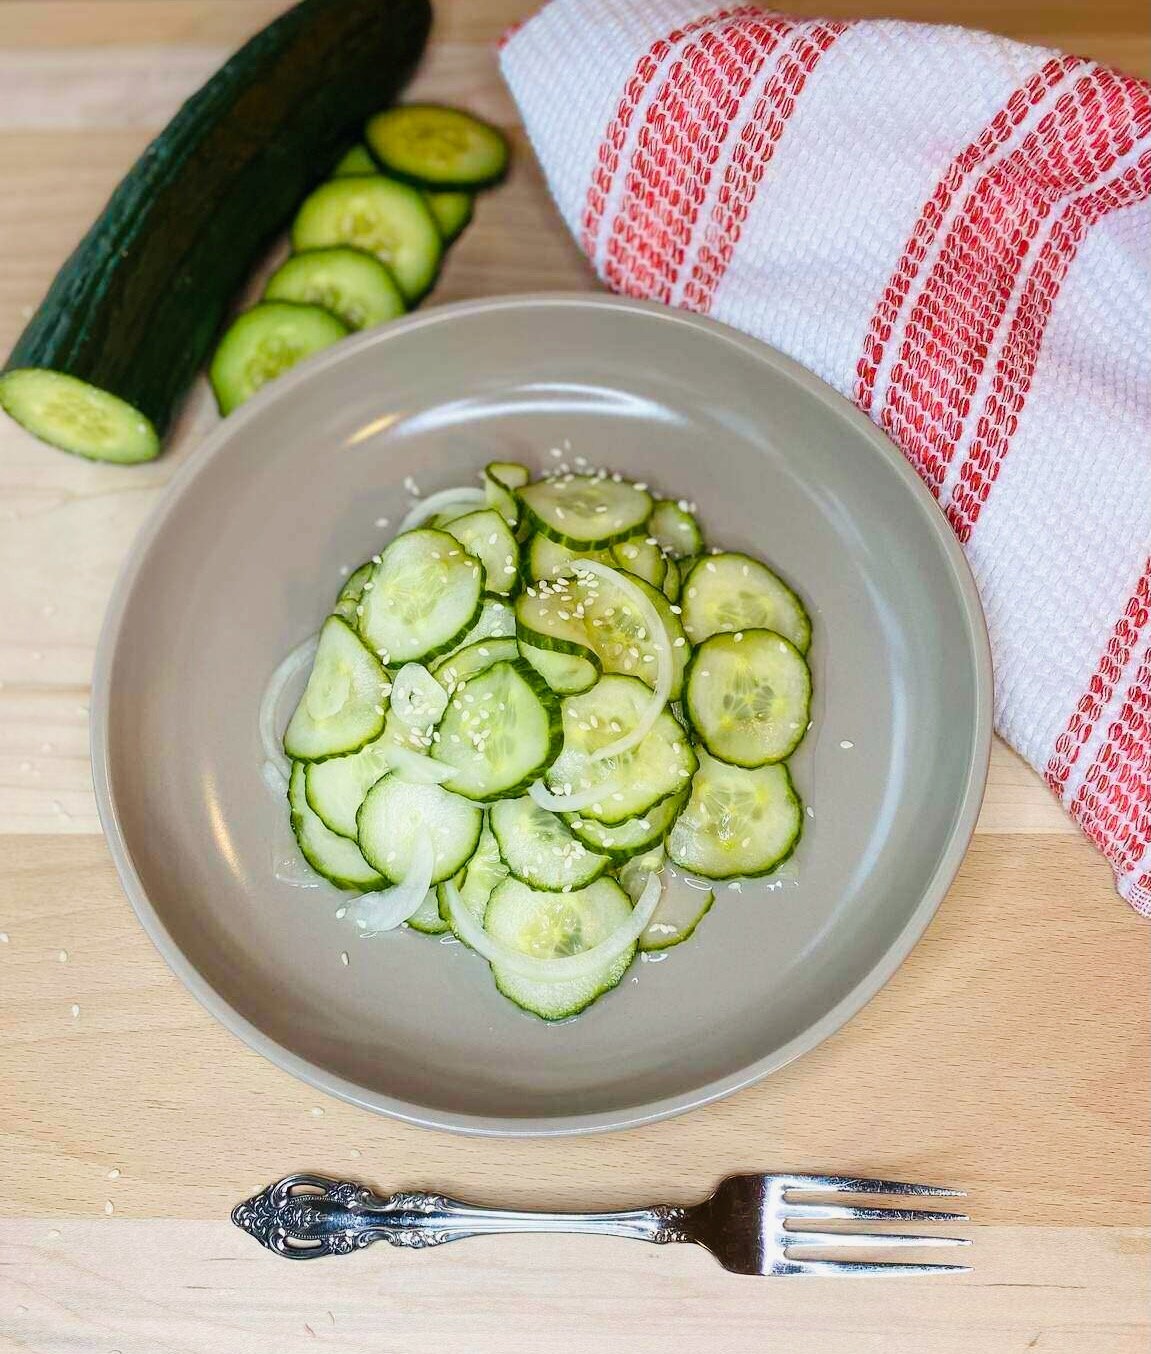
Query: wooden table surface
x,y
1009,1054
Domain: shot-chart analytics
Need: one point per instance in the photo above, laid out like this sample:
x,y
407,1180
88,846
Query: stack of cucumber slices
x,y
367,244
536,697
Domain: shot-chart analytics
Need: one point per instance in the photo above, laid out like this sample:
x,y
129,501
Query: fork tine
x,y
851,1184
853,1214
876,1239
872,1267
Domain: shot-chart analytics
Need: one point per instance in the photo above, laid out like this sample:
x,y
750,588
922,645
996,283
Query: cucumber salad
x,y
536,697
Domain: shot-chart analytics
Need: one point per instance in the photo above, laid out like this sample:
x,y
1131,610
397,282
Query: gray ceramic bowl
x,y
241,560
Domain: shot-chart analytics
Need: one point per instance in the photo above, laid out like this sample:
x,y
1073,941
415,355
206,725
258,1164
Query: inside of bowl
x,y
245,560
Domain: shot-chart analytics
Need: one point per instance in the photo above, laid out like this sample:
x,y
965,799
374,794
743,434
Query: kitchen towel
x,y
954,231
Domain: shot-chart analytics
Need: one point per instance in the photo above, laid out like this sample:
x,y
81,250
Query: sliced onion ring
x,y
661,642
300,657
417,767
583,965
274,779
463,496
389,908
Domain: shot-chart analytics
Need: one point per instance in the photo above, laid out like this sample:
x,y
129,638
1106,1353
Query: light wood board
x,y
1008,1055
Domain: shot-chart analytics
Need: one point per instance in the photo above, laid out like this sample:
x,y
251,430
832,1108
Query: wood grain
x,y
141,1287
1008,1054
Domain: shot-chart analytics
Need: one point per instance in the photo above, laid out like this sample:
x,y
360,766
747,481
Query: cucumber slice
x,y
592,618
736,823
672,580
500,731
587,512
352,285
357,160
496,620
632,838
728,592
501,480
567,674
486,536
265,342
388,219
335,789
351,594
675,530
471,660
344,704
633,875
423,598
546,559
74,416
479,877
336,858
637,556
641,557
538,848
748,697
396,813
427,919
552,926
680,911
452,210
634,782
438,147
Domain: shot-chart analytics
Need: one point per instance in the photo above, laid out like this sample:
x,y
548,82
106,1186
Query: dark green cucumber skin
x,y
137,306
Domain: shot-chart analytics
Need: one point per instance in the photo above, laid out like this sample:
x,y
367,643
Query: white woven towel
x,y
954,231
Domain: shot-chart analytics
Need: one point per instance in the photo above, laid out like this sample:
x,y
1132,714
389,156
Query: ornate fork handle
x,y
306,1216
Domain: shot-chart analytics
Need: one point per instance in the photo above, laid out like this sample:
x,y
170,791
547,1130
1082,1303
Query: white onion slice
x,y
274,779
417,698
389,908
301,657
661,641
463,496
417,767
573,803
582,965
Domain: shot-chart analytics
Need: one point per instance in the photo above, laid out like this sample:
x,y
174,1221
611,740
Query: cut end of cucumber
x,y
73,416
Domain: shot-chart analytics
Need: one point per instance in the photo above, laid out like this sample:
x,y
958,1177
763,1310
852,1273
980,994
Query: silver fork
x,y
751,1223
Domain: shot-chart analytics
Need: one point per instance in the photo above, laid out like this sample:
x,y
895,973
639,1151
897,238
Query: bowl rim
x,y
538,1125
